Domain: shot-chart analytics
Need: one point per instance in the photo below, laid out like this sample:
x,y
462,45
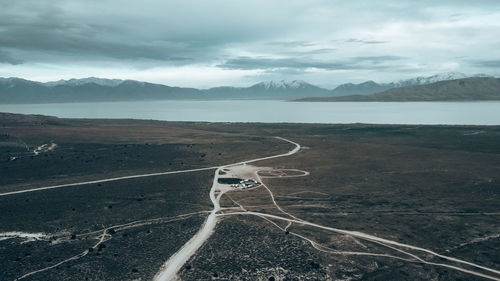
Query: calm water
x,y
478,113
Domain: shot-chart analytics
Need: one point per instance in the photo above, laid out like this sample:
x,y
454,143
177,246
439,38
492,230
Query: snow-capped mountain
x,y
83,81
283,89
17,90
283,84
465,89
370,87
434,78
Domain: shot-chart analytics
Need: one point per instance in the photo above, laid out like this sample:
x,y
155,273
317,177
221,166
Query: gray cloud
x,y
60,40
289,37
6,57
377,59
178,31
285,71
291,43
372,62
362,41
487,63
320,51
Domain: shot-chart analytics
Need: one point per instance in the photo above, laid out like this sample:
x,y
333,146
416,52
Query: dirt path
x,y
104,235
153,174
170,268
384,242
28,237
105,180
355,234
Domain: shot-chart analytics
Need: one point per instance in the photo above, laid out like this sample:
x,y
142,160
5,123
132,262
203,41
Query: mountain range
x,y
370,87
466,89
17,90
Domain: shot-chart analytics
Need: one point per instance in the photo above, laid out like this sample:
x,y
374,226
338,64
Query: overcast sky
x,y
210,43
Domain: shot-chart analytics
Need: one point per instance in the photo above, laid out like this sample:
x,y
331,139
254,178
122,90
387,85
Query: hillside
x,y
283,89
16,90
365,88
371,87
467,89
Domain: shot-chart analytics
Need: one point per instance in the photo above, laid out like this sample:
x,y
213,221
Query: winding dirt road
x,y
384,242
105,180
170,268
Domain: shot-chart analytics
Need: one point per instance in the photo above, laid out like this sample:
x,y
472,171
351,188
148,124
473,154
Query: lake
x,y
471,113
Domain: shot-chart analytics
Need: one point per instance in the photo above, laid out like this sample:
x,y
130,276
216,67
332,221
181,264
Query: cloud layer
x,y
241,42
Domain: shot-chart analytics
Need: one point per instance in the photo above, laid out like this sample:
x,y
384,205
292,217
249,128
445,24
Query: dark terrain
x,y
436,187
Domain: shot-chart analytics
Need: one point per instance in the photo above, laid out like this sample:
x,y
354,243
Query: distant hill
x,y
95,80
365,88
467,89
370,87
16,90
269,90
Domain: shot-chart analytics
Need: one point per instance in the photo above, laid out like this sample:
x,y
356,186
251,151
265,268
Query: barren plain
x,y
86,199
